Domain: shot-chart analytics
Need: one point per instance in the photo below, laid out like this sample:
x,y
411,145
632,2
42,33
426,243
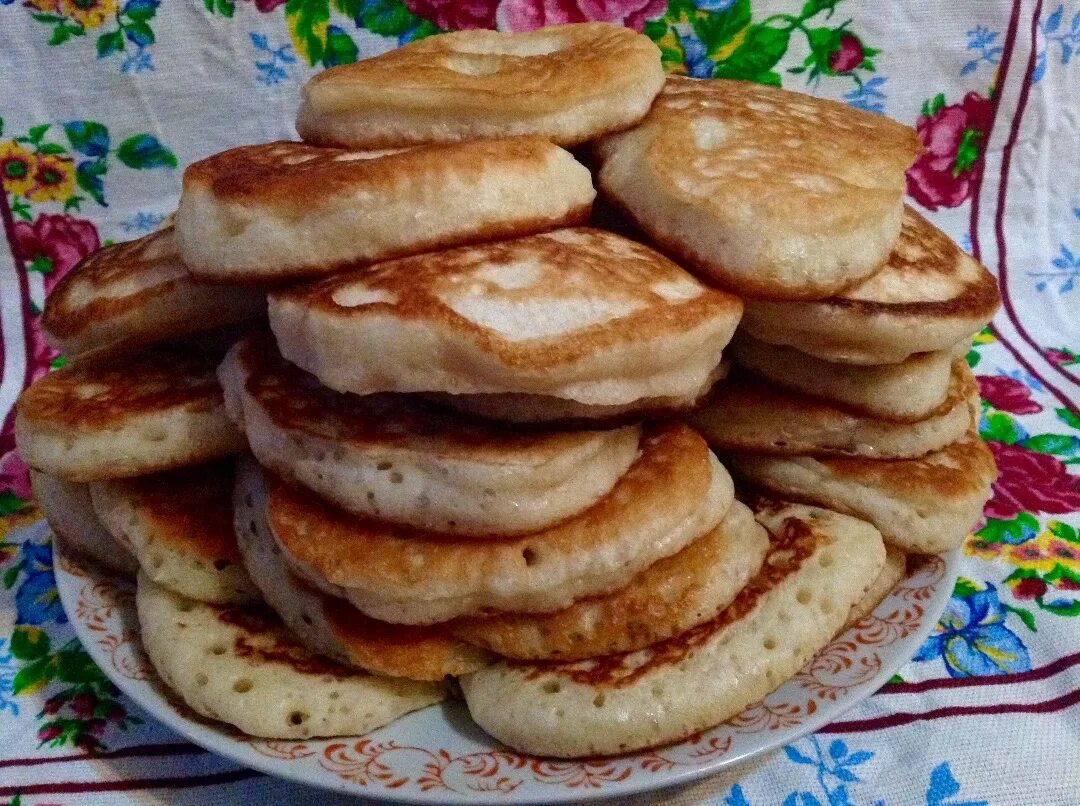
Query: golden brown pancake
x,y
106,417
891,573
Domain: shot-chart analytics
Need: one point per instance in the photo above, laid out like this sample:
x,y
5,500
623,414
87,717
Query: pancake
x,y
922,506
179,526
819,564
667,598
673,494
737,180
113,416
332,627
892,572
517,408
238,665
405,460
929,295
266,213
69,513
913,390
750,415
140,292
579,314
567,83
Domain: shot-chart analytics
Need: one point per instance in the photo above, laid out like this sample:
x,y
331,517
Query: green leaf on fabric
x,y
813,7
717,29
34,676
308,21
88,136
61,34
1060,607
41,265
1056,444
11,575
973,358
967,153
1021,573
1064,531
1068,417
73,665
1026,616
110,43
29,643
46,18
11,503
350,8
21,209
770,78
388,17
1023,527
88,177
340,49
1061,572
655,29
143,151
140,33
964,588
758,53
52,148
934,105
1000,427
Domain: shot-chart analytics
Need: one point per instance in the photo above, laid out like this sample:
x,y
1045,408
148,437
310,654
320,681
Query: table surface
x,y
105,101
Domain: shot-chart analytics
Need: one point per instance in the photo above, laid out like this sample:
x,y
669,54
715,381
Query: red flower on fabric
x,y
1029,481
954,137
57,241
848,55
456,15
528,15
1029,588
265,6
1007,394
15,475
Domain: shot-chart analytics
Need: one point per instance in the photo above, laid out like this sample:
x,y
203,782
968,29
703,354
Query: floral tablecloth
x,y
104,101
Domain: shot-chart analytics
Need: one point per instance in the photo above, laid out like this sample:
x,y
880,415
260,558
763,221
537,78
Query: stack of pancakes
x,y
470,443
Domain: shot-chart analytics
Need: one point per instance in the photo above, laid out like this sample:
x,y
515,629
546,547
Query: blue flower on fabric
x,y
37,600
972,639
698,63
715,5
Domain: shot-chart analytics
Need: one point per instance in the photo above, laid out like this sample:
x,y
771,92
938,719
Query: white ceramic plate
x,y
439,756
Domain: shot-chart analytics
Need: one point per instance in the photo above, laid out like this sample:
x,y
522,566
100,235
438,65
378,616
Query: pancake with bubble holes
x,y
285,210
668,598
929,295
673,494
736,180
70,514
923,506
408,461
892,572
240,666
139,292
567,83
128,414
819,564
754,416
913,390
579,314
330,626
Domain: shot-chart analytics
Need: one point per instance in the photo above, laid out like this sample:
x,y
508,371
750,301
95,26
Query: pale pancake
x,y
407,461
751,415
892,572
286,210
139,292
69,513
332,627
567,83
518,408
238,665
674,493
923,506
106,417
738,181
929,295
913,390
667,598
579,314
179,525
819,564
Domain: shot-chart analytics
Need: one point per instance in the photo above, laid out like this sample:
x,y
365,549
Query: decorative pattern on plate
x,y
439,756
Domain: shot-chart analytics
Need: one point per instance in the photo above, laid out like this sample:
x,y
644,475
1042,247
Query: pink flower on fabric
x,y
265,6
528,15
1007,394
456,15
15,475
954,137
848,55
1029,481
59,238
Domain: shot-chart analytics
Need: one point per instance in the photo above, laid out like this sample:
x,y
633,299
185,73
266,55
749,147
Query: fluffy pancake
x,y
674,493
139,292
929,295
819,564
747,414
113,416
736,179
912,390
579,314
70,514
891,573
179,525
568,83
667,598
332,627
924,506
239,666
285,210
410,462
